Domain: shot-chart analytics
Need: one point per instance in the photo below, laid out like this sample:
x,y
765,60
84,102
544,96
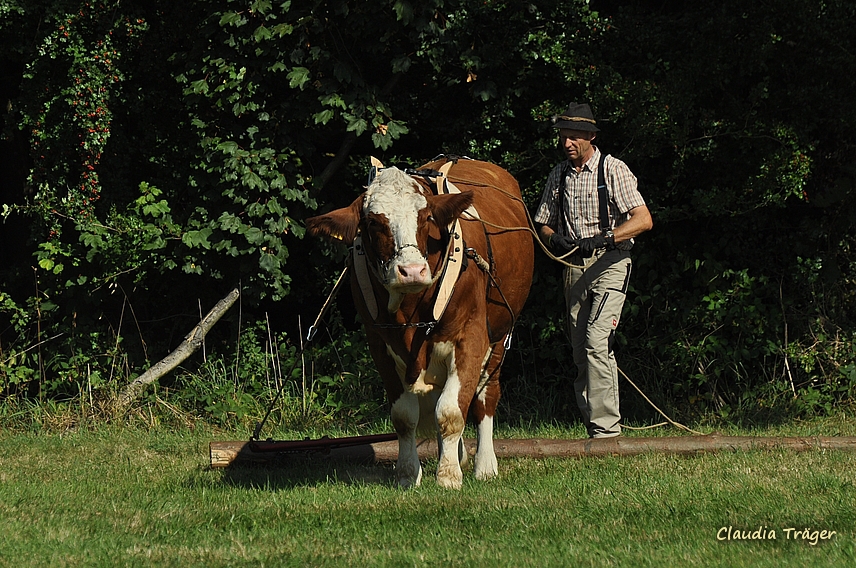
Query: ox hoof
x,y
407,483
486,469
450,478
407,480
484,475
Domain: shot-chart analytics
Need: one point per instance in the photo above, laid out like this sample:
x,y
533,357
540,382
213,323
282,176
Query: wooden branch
x,y
225,454
192,342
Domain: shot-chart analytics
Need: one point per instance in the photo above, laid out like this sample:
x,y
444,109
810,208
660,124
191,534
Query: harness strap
x,y
487,266
454,262
361,270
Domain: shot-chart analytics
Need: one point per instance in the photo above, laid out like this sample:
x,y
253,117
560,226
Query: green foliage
x,y
329,384
174,150
74,80
334,384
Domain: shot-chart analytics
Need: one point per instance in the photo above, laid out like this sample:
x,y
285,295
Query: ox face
x,y
401,226
394,230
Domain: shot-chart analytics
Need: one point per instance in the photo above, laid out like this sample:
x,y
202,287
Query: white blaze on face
x,y
396,196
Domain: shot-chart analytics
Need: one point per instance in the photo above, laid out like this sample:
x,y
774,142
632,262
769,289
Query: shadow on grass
x,y
301,470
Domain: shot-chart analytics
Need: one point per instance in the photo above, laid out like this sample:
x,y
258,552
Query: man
x,y
595,286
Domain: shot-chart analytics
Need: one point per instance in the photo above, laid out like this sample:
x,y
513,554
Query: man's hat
x,y
577,117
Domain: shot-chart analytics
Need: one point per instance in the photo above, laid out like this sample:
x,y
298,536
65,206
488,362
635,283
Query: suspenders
x,y
602,196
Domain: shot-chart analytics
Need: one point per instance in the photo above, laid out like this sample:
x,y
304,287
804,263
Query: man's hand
x,y
560,244
591,244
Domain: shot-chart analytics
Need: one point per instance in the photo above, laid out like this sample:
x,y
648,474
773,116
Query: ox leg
x,y
404,412
483,410
485,466
405,418
461,385
463,456
450,427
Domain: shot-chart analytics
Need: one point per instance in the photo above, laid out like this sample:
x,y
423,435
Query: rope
x,y
258,429
333,293
663,414
530,228
561,260
651,427
299,356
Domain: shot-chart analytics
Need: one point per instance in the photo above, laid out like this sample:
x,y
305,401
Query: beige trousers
x,y
594,296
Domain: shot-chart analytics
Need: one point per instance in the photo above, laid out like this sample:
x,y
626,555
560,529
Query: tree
x,y
174,151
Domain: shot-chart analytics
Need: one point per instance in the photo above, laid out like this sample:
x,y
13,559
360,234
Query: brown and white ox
x,y
438,345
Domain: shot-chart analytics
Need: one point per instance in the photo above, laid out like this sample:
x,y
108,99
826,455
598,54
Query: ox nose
x,y
412,273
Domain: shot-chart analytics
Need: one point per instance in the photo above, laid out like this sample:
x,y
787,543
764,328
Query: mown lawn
x,y
128,497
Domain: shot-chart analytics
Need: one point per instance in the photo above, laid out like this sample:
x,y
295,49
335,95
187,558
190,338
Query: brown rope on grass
x,y
663,414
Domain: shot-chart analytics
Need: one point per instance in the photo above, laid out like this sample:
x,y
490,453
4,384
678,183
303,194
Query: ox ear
x,y
447,208
338,225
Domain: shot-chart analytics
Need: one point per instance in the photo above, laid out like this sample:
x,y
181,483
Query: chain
x,y
428,324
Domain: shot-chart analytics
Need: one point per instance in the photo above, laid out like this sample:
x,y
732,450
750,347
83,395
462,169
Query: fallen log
x,y
226,454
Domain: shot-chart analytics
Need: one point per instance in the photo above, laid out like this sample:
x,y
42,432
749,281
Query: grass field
x,y
131,497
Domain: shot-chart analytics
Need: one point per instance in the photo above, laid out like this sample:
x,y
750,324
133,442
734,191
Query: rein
x,y
530,228
561,259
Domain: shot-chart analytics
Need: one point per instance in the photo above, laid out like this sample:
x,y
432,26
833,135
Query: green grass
x,y
132,497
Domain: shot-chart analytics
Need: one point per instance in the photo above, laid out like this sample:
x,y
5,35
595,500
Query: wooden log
x,y
225,454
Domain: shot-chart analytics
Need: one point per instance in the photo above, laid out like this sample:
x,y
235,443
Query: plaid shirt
x,y
581,193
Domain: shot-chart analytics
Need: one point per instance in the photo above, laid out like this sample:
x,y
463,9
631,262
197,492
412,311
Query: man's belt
x,y
626,245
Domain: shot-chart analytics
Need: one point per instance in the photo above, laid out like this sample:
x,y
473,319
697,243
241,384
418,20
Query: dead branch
x,y
192,342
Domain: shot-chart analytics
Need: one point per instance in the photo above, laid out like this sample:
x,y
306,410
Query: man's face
x,y
576,143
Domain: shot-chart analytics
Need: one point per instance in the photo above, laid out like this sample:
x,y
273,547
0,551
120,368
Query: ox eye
x,y
433,229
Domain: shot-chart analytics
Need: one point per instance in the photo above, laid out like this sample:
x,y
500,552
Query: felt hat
x,y
577,117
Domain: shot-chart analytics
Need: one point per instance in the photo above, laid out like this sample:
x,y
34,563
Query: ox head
x,y
400,225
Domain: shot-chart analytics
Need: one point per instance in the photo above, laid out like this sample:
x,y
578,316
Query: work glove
x,y
591,244
561,244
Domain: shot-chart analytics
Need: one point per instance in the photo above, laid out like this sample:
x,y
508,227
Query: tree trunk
x,y
224,454
192,342
347,145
